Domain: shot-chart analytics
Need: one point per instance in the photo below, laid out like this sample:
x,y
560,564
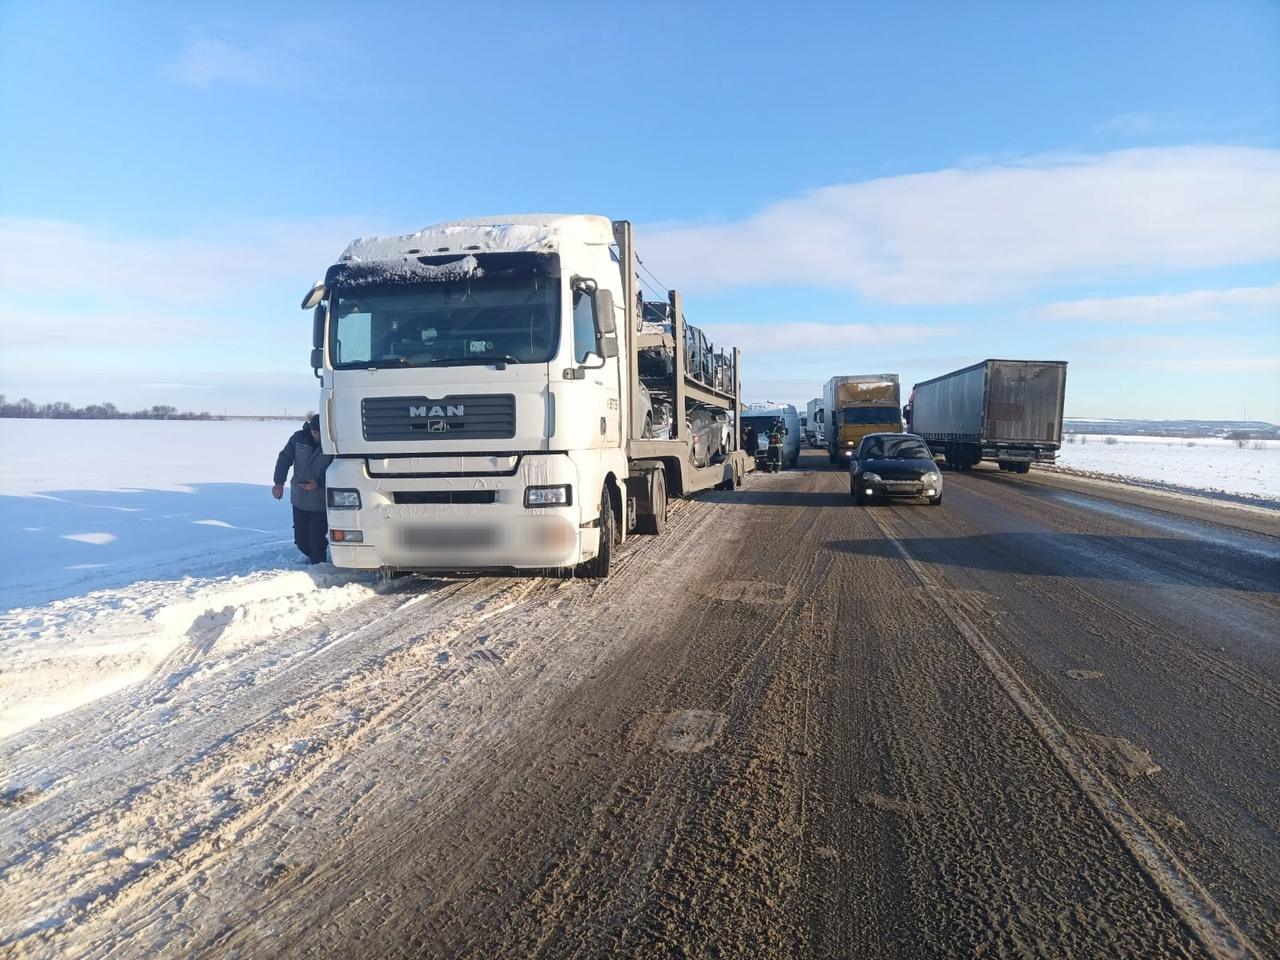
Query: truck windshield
x,y
762,424
861,415
474,320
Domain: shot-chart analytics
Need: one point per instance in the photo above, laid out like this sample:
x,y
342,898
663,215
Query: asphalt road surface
x,y
1042,719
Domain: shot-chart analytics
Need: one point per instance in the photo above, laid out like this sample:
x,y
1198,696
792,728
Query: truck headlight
x,y
560,495
344,499
871,478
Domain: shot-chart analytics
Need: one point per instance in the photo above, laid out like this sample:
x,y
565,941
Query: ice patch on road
x,y
1239,542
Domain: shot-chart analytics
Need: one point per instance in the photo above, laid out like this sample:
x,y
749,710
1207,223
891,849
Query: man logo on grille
x,y
449,410
437,426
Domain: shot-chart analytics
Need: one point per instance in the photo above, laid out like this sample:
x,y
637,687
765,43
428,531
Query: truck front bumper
x,y
460,524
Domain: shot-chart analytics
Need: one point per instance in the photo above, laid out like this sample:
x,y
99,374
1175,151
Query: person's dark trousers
x,y
311,533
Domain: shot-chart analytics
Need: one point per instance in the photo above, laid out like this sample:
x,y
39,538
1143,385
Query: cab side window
x,y
584,325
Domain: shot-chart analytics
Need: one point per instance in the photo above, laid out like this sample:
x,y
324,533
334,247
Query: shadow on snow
x,y
63,543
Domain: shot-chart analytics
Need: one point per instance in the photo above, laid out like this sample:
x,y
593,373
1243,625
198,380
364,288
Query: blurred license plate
x,y
904,486
441,535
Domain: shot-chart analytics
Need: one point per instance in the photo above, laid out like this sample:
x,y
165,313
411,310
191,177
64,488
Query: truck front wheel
x,y
597,568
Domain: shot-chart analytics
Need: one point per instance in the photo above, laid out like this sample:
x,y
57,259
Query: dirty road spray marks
x,y
1210,924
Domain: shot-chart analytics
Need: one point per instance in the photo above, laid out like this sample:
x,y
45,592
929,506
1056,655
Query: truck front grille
x,y
444,496
469,417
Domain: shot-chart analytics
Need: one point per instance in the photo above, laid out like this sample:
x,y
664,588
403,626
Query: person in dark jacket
x,y
306,490
775,446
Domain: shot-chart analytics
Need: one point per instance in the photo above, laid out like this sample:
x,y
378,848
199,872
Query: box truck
x,y
498,396
857,405
813,421
1009,411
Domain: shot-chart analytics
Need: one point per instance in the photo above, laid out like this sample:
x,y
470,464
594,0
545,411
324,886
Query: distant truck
x,y
812,421
760,417
856,406
1009,411
497,395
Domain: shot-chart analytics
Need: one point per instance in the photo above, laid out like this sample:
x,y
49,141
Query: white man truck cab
x,y
481,398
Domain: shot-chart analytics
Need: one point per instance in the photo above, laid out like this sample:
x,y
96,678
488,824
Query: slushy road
x,y
1042,719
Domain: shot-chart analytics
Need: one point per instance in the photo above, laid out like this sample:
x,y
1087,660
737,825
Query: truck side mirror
x,y
317,358
314,295
605,323
608,346
317,326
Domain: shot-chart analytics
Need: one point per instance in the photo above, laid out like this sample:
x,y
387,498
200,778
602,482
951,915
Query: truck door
x,y
600,388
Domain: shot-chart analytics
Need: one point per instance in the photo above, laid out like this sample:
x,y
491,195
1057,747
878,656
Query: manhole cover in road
x,y
749,591
681,731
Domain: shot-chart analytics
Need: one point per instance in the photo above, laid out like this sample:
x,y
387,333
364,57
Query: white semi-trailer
x,y
1009,411
813,421
495,399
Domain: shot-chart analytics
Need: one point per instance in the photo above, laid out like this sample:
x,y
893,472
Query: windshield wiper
x,y
499,360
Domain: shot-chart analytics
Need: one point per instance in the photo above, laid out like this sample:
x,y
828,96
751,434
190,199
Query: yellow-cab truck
x,y
857,405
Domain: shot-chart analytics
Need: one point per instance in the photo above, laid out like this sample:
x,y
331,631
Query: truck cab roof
x,y
535,233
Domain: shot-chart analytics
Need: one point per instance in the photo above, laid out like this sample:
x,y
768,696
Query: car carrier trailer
x,y
483,398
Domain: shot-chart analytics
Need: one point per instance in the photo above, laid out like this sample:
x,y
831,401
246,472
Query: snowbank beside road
x,y
1212,465
62,655
128,543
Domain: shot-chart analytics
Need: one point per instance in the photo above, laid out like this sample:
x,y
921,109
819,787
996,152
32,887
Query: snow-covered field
x,y
1211,465
122,540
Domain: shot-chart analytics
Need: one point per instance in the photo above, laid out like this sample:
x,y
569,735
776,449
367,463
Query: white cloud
x,y
1181,353
255,58
1269,364
204,62
1193,306
1144,124
144,285
978,235
802,337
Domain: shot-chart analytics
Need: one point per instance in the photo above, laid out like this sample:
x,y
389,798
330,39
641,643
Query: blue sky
x,y
841,188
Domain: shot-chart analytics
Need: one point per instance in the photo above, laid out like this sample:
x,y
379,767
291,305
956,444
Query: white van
x,y
761,416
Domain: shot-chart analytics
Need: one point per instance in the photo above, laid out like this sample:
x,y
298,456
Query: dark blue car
x,y
894,465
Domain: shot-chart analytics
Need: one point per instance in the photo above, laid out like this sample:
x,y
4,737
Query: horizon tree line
x,y
61,410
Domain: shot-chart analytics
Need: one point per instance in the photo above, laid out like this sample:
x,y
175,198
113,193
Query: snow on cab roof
x,y
533,232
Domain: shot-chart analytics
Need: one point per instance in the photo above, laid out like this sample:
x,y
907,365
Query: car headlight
x,y
560,495
931,478
344,499
871,478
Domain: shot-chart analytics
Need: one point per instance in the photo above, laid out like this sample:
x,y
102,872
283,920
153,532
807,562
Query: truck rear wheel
x,y
597,568
654,523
